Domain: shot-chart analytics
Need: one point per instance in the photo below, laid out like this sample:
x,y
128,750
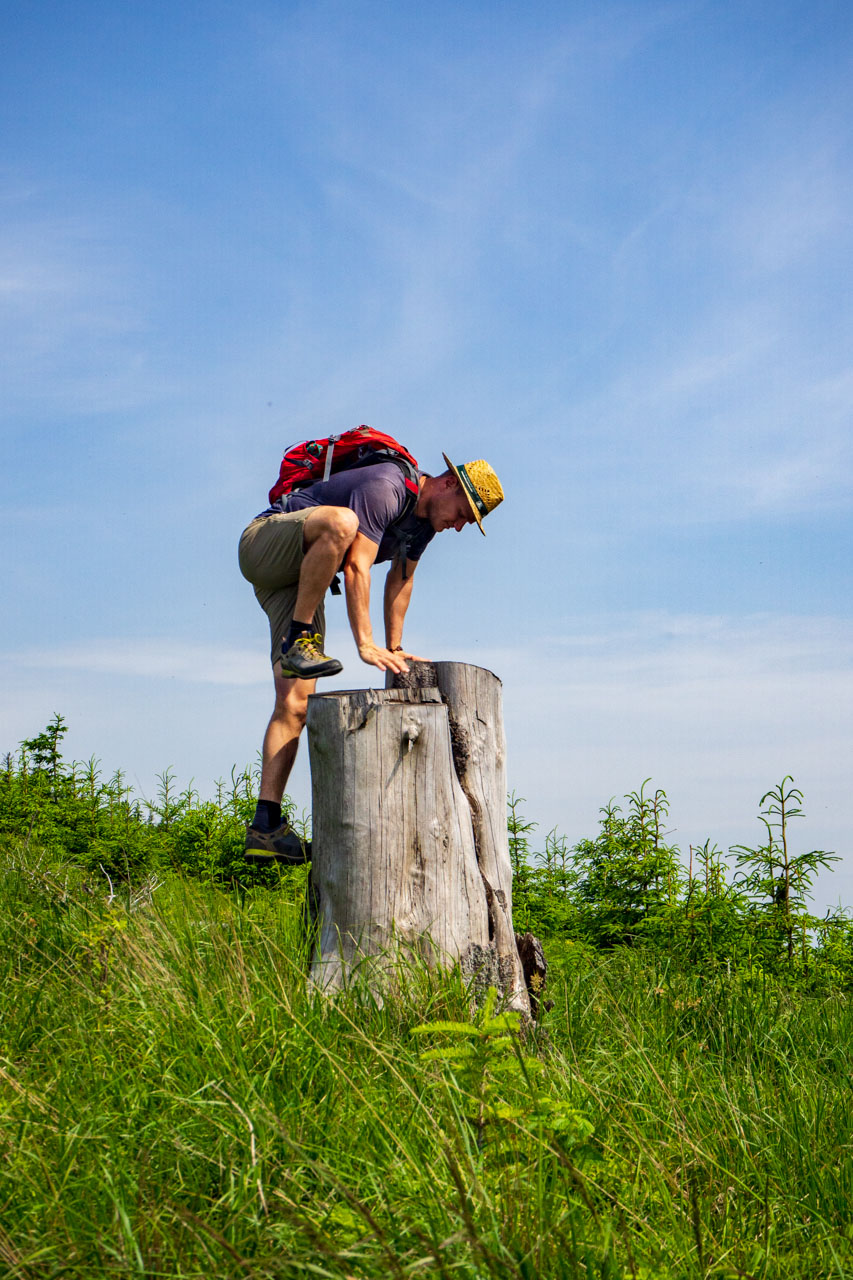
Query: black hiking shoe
x,y
306,660
281,845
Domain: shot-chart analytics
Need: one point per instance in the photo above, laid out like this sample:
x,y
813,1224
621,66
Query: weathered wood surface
x,y
410,849
474,704
393,857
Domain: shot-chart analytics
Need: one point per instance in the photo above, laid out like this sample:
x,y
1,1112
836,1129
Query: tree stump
x,y
409,846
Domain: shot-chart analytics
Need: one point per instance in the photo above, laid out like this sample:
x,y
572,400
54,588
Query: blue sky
x,y
606,246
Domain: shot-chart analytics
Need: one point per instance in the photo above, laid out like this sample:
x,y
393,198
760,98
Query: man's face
x,y
450,509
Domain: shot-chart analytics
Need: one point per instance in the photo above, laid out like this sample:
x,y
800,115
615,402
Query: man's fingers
x,y
385,660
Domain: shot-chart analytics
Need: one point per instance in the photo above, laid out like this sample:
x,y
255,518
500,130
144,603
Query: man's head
x,y
460,495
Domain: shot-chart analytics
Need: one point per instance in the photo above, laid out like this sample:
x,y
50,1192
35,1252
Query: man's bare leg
x,y
267,837
281,740
327,532
327,535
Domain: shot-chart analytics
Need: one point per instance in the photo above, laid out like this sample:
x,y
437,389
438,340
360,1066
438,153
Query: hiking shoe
x,y
281,845
306,660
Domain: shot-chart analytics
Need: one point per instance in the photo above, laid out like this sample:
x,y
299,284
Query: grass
x,y
175,1102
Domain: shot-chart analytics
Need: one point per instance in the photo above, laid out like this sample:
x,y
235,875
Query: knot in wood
x,y
411,733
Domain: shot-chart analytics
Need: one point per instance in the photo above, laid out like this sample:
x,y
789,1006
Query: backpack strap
x,y
330,450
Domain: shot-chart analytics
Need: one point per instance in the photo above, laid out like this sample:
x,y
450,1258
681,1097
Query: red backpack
x,y
314,460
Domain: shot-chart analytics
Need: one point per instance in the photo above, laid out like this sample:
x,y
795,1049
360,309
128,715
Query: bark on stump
x,y
410,853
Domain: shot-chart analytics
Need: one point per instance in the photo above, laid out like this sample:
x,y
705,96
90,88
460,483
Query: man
x,y
291,554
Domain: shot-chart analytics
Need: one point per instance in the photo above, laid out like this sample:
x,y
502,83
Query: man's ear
x,y
450,481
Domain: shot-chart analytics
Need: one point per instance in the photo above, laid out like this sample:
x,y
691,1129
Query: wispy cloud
x,y
734,421
786,206
714,709
155,660
74,322
433,160
654,651
667,654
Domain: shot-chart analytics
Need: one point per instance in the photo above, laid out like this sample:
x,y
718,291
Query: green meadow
x,y
176,1101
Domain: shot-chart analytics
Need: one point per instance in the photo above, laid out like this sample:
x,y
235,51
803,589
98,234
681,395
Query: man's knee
x,y
345,523
338,524
291,701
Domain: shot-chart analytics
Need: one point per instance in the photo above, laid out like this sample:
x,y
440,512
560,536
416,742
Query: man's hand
x,y
384,659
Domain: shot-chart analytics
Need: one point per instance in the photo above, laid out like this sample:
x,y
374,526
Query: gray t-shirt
x,y
377,493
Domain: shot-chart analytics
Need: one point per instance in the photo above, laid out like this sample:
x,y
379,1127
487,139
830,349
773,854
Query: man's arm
x,y
357,565
398,593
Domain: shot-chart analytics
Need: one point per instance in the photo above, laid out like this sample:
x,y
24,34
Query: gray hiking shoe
x,y
281,845
306,660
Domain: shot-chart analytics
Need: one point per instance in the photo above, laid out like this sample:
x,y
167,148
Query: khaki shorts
x,y
270,557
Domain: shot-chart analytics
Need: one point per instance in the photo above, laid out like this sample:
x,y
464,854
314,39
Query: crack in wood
x,y
471,696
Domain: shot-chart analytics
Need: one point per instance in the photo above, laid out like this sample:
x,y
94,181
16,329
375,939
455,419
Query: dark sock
x,y
267,816
298,629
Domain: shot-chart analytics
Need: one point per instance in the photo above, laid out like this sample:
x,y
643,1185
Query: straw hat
x,y
480,485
